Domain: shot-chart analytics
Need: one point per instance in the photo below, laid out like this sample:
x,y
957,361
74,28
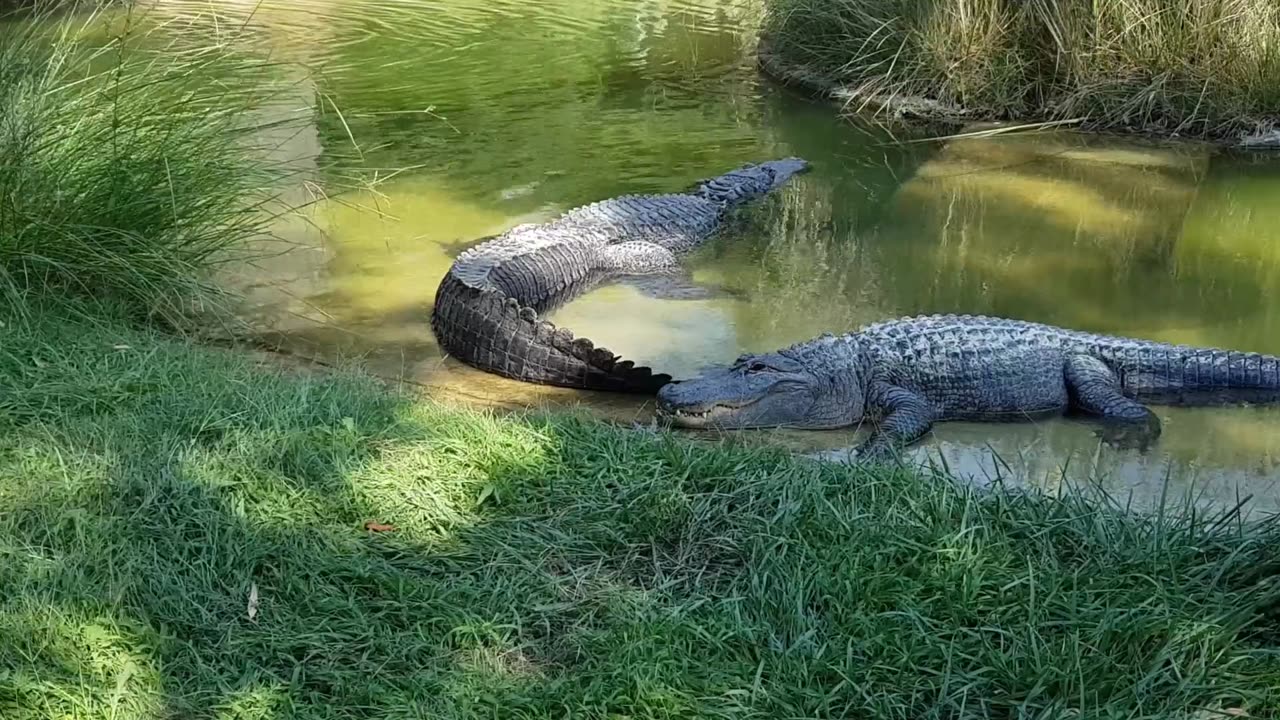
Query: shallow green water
x,y
515,111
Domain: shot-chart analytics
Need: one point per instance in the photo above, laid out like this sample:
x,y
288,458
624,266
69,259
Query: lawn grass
x,y
1196,68
151,491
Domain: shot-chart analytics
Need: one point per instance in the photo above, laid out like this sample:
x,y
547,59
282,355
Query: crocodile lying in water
x,y
906,374
488,305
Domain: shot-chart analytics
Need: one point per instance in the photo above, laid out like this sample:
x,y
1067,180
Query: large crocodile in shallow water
x,y
488,305
906,374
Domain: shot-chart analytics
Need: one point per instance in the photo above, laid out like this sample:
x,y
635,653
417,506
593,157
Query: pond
x,y
514,111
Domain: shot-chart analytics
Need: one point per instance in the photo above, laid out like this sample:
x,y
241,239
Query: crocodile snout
x,y
785,168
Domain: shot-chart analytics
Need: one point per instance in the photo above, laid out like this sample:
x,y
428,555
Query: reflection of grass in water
x,y
550,566
1233,231
577,97
802,269
1012,228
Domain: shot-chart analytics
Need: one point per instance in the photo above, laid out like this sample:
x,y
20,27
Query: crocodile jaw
x,y
697,418
724,402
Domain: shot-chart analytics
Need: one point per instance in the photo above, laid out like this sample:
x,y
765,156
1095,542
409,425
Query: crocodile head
x,y
752,180
769,390
783,170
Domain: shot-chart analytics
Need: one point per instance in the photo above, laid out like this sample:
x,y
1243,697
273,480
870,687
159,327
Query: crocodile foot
x,y
876,453
1137,435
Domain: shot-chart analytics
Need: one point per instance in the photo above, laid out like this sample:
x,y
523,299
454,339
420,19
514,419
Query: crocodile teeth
x,y
687,413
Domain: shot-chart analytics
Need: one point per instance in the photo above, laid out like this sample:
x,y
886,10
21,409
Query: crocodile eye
x,y
757,366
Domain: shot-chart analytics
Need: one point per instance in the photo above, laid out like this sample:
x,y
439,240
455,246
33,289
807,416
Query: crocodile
x,y
489,304
904,375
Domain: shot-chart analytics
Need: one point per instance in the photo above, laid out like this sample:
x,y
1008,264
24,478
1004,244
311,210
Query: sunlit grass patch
x,y
90,664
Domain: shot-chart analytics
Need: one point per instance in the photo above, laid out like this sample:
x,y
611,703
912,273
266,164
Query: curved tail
x,y
491,331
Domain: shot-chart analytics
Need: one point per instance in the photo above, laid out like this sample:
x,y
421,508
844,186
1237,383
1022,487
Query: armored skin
x,y
904,375
488,305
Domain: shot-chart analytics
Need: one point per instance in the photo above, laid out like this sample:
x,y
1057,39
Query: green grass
x,y
1197,68
133,160
553,567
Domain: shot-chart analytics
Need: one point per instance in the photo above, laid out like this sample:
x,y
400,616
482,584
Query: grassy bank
x,y
132,163
183,535
1204,69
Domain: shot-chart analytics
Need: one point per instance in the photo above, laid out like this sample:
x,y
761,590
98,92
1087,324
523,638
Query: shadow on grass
x,y
152,492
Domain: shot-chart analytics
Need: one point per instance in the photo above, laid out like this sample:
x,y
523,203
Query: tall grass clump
x,y
130,165
1201,68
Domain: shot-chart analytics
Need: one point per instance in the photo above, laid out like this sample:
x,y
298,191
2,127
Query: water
x,y
514,111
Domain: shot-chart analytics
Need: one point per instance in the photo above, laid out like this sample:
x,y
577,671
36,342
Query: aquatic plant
x,y
1204,68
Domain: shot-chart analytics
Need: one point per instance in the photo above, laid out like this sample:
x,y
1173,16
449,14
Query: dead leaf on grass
x,y
378,527
253,601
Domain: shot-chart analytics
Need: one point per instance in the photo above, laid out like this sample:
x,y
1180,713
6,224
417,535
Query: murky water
x,y
515,111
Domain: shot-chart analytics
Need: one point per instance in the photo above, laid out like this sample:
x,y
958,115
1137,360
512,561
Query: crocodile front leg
x,y
905,417
1095,389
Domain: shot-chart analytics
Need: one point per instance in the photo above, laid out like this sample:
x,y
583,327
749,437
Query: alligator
x,y
904,375
488,306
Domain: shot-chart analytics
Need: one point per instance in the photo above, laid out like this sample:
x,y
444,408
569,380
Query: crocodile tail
x,y
1225,374
490,331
